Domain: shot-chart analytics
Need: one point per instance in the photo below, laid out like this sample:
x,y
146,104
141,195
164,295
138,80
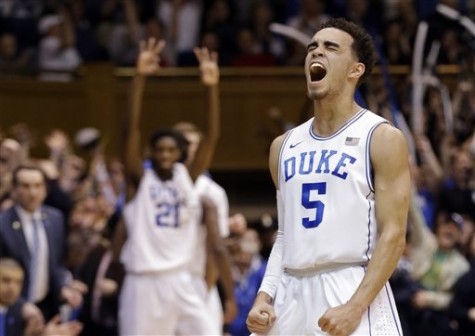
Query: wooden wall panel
x,y
98,98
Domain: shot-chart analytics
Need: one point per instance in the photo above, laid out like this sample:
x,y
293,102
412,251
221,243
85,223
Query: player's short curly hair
x,y
363,45
177,136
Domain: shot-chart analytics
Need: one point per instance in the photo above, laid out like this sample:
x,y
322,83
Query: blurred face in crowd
x,y
8,46
194,140
462,167
11,282
249,246
29,191
9,155
448,234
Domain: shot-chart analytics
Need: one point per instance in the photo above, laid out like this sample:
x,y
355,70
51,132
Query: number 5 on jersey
x,y
319,206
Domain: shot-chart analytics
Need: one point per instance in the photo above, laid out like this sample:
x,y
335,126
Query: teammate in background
x,y
201,148
162,219
343,186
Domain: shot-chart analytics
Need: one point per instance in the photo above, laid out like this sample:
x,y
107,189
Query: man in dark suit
x,y
33,235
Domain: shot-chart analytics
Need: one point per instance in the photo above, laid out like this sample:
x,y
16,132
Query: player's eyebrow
x,y
327,44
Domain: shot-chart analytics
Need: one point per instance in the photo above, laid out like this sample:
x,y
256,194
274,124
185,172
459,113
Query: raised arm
x,y
147,64
209,72
390,159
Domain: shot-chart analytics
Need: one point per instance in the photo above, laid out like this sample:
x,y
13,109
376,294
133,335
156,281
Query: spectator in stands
x,y
84,26
462,307
21,317
396,45
248,271
12,59
57,56
33,234
249,51
436,265
181,22
10,158
261,17
456,192
218,18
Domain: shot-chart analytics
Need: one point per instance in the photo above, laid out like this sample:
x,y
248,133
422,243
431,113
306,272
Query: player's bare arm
x,y
147,64
262,315
220,255
209,75
389,156
274,158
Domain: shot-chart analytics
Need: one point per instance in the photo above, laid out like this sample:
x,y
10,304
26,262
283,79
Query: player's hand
x,y
148,61
209,69
341,320
261,318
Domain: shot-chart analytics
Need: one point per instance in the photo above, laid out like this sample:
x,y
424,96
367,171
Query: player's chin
x,y
313,93
166,165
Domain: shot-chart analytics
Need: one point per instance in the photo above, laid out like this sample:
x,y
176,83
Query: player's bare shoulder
x,y
388,147
275,148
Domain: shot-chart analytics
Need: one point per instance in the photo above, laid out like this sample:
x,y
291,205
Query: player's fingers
x,y
159,47
323,323
142,45
197,52
151,43
214,56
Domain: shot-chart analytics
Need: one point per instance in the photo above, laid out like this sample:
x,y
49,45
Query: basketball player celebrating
x,y
343,184
162,218
210,256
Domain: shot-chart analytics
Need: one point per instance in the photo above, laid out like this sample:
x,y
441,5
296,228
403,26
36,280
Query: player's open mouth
x,y
317,72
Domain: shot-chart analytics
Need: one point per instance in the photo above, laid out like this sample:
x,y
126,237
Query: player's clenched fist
x,y
261,317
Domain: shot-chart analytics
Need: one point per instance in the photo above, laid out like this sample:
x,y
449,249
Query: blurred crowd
x,y
51,36
88,190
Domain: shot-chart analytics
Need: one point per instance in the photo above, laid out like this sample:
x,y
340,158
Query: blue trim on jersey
x,y
287,137
358,115
369,226
392,309
369,166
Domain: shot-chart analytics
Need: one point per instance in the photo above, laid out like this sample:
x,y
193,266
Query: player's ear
x,y
357,70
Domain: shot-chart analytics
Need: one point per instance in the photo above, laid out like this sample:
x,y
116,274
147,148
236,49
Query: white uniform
x,y
205,186
162,223
327,228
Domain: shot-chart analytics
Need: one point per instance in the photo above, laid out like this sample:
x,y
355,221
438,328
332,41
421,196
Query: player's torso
x,y
162,222
328,197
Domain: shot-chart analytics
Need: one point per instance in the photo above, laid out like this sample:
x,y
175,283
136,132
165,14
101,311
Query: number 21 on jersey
x,y
167,215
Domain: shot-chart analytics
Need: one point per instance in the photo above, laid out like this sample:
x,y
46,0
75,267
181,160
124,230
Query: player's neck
x,y
330,116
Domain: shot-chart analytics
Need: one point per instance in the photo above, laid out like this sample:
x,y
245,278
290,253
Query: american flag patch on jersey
x,y
350,141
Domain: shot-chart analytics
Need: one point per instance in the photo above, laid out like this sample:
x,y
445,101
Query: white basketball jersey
x,y
205,186
162,222
328,195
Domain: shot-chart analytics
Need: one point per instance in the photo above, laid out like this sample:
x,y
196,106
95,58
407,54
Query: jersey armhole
x,y
369,164
286,139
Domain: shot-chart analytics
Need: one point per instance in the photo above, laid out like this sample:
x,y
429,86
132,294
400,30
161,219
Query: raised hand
x,y
149,56
209,69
